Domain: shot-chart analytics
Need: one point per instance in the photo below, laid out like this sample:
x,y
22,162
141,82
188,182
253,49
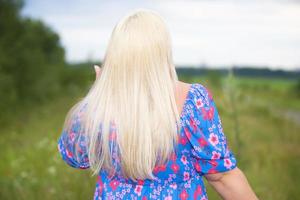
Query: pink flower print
x,y
199,103
213,163
198,192
141,182
211,113
208,115
173,186
100,185
168,198
183,159
193,124
173,156
162,168
227,163
215,155
202,142
186,176
213,139
114,184
212,171
197,166
138,189
175,167
199,189
184,195
182,140
187,133
69,153
159,168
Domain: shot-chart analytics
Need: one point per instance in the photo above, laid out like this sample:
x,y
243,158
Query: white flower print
x,y
199,103
174,186
213,139
183,159
186,176
215,155
227,163
138,189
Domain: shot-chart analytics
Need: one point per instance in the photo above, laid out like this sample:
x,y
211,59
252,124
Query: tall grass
x,y
231,91
31,167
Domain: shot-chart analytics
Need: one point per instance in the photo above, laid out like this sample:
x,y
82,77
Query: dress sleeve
x,y
209,143
72,145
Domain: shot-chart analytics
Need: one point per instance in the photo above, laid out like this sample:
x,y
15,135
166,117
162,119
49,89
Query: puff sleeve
x,y
209,143
73,146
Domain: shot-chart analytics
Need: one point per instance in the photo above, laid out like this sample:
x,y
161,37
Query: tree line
x,y
32,61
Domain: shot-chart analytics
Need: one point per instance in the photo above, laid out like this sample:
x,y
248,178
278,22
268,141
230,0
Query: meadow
x,y
260,118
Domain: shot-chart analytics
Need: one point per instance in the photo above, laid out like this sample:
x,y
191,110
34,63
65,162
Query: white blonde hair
x,y
136,95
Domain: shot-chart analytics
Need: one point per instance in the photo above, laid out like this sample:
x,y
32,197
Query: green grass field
x,y
268,152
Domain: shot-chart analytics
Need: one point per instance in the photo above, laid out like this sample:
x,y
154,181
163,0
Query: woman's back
x,y
202,149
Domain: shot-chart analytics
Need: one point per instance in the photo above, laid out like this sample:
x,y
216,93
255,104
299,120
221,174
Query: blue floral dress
x,y
202,149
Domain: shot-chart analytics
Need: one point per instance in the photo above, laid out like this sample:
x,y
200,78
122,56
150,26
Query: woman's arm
x,y
231,185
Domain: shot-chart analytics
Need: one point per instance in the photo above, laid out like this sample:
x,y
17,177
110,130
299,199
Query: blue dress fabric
x,y
202,149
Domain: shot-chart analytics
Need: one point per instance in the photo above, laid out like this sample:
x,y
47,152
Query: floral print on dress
x,y
202,149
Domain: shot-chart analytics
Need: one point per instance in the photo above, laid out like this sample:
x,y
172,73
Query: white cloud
x,y
214,32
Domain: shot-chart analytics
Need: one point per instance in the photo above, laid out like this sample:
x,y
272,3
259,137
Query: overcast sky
x,y
211,32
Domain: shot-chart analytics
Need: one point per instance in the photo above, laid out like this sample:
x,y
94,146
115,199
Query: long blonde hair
x,y
133,100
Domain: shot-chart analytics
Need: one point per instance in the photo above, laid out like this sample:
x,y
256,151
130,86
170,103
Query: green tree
x,y
31,59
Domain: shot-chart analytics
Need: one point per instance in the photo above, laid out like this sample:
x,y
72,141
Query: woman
x,y
144,133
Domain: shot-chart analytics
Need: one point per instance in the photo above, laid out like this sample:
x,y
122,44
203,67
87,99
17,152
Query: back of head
x,y
135,96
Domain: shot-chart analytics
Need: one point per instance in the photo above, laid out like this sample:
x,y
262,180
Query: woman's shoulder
x,y
201,93
195,91
195,86
197,100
